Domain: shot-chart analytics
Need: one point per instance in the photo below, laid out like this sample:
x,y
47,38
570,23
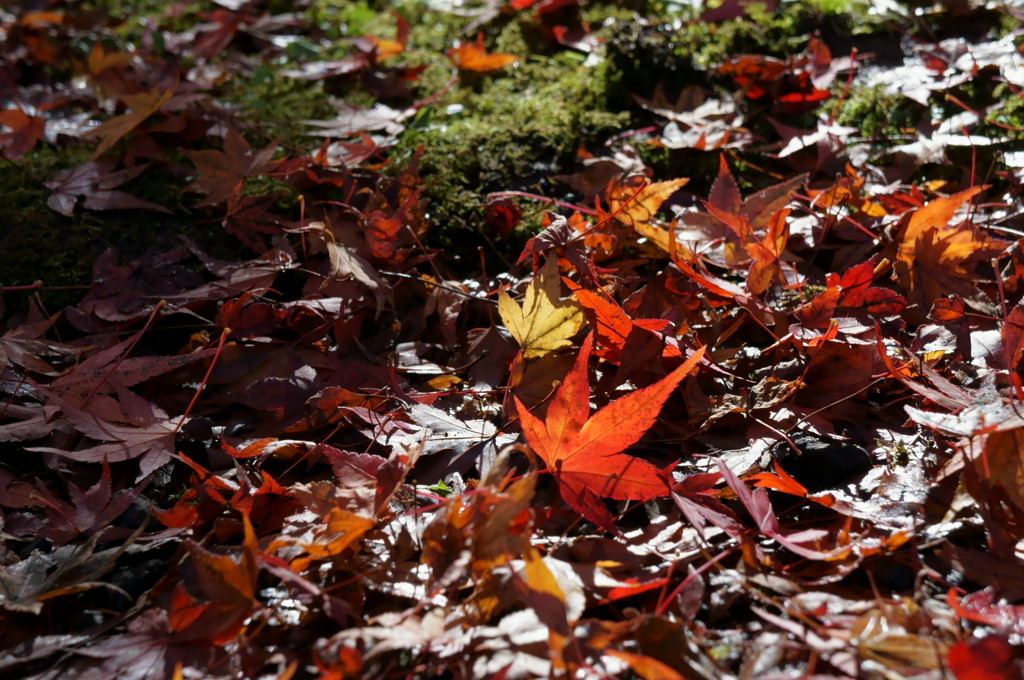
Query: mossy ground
x,y
40,244
512,129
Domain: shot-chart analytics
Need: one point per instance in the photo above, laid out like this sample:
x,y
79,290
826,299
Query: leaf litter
x,y
763,420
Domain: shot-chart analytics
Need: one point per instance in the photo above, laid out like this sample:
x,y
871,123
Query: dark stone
x,y
821,462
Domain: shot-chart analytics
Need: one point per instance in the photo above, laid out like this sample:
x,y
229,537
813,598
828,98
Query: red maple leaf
x,y
939,254
614,327
584,452
987,658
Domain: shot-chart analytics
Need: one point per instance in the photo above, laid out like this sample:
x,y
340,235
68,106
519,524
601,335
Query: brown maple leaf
x,y
26,584
24,345
141,105
126,429
96,182
223,172
25,131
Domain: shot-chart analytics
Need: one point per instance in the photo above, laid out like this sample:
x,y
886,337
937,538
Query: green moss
x,y
279,104
40,244
1009,115
878,114
675,49
129,20
509,131
506,130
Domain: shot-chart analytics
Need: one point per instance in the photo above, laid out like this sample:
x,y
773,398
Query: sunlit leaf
x,y
584,451
544,322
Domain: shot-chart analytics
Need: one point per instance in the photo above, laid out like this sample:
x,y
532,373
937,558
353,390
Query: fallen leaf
x,y
385,48
566,241
25,131
69,569
851,293
141,106
613,326
439,431
96,182
759,507
223,172
228,578
136,429
584,452
544,323
340,530
474,56
987,658
766,254
646,667
937,257
637,207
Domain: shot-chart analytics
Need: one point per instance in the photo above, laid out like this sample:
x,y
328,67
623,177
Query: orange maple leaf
x,y
613,326
391,47
763,253
474,57
766,254
100,60
937,257
584,452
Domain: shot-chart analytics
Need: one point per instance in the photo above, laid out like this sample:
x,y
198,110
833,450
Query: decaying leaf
x,y
224,171
141,106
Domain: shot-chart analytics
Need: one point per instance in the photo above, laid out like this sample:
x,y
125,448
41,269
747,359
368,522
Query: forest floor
x,y
512,339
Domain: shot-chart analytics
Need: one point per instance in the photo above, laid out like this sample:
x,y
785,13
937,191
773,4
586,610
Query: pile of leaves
x,y
760,422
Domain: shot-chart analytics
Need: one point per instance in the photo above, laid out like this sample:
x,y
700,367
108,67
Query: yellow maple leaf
x,y
545,322
638,209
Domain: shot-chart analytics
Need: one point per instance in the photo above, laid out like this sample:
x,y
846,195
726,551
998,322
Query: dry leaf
x,y
544,323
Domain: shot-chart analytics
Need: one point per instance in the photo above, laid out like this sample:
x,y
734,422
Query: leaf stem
x,y
202,385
